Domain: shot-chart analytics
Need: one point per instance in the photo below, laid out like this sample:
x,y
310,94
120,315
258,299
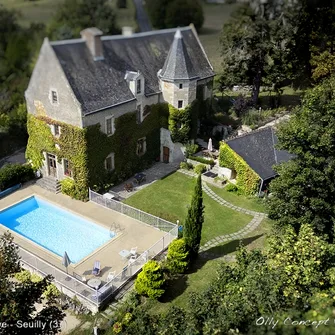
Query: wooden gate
x,y
166,154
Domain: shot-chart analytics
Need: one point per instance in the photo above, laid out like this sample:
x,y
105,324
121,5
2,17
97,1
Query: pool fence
x,y
132,212
90,297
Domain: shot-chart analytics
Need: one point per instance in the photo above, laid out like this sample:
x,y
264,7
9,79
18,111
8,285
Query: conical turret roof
x,y
178,64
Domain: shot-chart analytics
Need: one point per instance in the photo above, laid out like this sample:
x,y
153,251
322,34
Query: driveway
x,y
17,157
142,17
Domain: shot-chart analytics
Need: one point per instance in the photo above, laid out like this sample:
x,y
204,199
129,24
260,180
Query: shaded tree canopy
x,y
17,300
175,13
304,192
72,16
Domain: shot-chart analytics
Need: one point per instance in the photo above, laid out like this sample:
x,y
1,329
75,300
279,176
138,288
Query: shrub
x,y
150,281
186,166
203,160
177,257
121,3
68,187
191,149
200,169
13,174
51,292
231,188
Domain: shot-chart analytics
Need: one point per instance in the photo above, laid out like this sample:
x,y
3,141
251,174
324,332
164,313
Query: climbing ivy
x,y
86,149
71,146
247,180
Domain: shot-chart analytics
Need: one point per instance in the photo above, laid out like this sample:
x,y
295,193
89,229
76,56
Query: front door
x,y
166,154
52,165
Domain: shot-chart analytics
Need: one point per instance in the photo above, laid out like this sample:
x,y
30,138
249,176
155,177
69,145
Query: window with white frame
x,y
141,146
139,114
110,125
109,162
138,86
54,97
67,168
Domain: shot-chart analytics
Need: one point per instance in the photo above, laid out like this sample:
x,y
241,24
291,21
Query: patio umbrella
x,y
66,260
210,145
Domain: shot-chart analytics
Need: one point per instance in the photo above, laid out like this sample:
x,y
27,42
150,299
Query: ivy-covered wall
x,y
72,146
183,122
123,143
86,149
247,180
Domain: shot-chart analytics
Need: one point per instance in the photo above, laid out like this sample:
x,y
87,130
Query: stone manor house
x,y
94,80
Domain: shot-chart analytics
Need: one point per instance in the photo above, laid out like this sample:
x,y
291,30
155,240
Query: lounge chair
x,y
96,268
132,260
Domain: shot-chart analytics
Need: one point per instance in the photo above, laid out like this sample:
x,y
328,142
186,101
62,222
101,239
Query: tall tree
x,y
304,192
17,300
194,221
72,16
255,46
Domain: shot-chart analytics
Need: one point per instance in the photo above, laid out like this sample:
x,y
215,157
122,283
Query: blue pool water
x,y
54,228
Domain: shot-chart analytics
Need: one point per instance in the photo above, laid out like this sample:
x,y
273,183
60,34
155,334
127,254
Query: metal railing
x,y
132,212
85,292
63,279
134,266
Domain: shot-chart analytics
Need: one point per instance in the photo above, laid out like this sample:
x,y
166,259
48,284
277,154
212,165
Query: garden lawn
x,y
168,198
41,11
251,203
215,16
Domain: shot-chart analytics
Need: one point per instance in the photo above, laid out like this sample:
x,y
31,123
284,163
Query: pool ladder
x,y
114,229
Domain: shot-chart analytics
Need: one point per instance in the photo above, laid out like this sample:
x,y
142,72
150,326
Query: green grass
x,y
168,198
215,16
41,11
178,291
251,203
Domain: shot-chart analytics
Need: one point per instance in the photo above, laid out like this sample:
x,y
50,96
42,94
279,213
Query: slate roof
x,y
101,84
178,64
258,150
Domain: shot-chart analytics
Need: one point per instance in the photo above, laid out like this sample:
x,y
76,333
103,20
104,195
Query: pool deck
x,y
133,233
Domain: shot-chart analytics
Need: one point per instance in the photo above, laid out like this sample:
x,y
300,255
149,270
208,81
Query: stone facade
x,y
48,76
176,150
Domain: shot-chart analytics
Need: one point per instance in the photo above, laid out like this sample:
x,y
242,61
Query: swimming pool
x,y
55,229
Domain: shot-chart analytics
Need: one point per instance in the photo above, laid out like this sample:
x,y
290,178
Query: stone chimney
x,y
127,31
92,37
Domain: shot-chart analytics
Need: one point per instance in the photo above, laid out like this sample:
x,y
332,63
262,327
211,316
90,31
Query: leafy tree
x,y
305,259
194,221
72,16
150,281
174,13
183,12
177,256
304,191
255,47
17,300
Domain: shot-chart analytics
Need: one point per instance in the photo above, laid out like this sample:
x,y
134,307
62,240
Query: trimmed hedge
x,y
199,169
13,174
202,160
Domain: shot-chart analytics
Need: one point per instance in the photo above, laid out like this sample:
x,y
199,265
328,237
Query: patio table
x,y
94,282
124,253
139,177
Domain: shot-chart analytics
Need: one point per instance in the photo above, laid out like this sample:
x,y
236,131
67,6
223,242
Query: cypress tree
x,y
194,221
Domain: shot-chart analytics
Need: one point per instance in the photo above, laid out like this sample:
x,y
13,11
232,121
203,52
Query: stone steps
x,y
50,184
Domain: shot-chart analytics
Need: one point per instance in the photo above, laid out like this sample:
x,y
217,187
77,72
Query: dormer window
x,y
138,86
53,97
56,130
110,125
